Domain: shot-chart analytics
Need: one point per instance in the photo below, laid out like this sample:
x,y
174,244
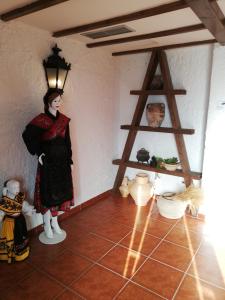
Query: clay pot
x,y
155,113
143,155
142,189
171,167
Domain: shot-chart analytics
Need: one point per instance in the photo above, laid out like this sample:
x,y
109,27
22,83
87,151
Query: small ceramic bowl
x,y
171,167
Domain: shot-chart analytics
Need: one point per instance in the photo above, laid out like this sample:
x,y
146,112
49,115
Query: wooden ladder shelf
x,y
157,57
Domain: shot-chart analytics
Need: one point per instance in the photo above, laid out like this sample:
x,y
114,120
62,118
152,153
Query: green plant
x,y
159,161
171,160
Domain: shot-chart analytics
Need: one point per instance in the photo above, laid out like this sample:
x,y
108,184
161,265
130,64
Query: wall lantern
x,y
56,70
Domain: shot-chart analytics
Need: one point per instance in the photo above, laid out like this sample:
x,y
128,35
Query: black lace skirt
x,y
56,179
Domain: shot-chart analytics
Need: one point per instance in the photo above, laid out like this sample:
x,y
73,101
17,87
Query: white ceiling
x,y
79,12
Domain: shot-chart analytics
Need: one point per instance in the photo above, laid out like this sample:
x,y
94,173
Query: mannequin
x,y
48,137
13,236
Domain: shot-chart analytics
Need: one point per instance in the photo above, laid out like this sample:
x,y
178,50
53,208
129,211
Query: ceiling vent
x,y
108,32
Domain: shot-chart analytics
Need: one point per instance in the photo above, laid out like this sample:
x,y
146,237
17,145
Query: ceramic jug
x,y
142,189
124,190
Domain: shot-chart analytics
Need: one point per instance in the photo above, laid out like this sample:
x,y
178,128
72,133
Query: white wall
x,y
190,69
89,100
214,163
97,90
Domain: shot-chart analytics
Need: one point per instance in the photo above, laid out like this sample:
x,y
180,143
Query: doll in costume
x,y
13,235
48,137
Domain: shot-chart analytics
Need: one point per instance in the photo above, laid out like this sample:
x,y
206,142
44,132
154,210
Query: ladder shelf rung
x,y
137,165
159,129
158,92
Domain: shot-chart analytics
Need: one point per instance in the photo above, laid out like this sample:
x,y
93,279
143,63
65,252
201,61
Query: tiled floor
x,y
114,250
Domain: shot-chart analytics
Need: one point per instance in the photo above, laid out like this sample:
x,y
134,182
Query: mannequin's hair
x,y
50,96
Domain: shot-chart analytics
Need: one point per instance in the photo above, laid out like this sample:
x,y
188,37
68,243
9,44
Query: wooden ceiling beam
x,y
211,16
172,46
153,11
29,9
140,37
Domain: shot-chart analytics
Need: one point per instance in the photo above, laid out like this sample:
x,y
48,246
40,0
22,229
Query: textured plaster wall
x,y
89,101
190,69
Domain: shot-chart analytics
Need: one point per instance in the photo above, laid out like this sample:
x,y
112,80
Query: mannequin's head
x,y
11,188
53,99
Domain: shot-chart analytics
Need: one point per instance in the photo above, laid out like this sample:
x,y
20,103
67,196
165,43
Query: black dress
x,y
49,134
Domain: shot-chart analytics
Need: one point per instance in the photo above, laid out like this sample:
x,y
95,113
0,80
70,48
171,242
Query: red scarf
x,y
53,128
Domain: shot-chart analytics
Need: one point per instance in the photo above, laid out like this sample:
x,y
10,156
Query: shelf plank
x,y
159,129
137,165
158,92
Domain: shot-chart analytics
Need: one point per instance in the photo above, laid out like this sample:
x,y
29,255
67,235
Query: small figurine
x,y
13,235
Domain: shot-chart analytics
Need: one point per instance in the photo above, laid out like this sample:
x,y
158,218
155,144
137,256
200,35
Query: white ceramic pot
x,y
171,167
171,209
142,189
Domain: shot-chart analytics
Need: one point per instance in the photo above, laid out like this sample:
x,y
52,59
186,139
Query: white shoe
x,y
48,231
55,226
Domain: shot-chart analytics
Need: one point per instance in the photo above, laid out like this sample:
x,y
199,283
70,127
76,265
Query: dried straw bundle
x,y
192,194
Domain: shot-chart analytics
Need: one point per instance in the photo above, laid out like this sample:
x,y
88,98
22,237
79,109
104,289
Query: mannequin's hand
x,y
40,158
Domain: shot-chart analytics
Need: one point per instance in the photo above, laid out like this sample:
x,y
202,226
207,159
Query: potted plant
x,y
157,162
171,164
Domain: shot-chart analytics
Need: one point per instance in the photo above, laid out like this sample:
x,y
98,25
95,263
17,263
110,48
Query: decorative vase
x,y
124,189
155,113
170,208
142,189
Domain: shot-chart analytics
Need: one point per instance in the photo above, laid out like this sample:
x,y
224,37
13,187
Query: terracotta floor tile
x,y
88,222
84,220
211,270
158,278
112,231
68,295
122,261
14,272
154,227
193,289
130,220
213,248
156,216
173,255
133,291
92,246
36,286
41,254
140,242
73,231
114,219
66,267
181,236
193,224
98,284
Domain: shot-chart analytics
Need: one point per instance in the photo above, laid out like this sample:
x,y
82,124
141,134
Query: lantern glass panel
x,y
51,74
61,78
